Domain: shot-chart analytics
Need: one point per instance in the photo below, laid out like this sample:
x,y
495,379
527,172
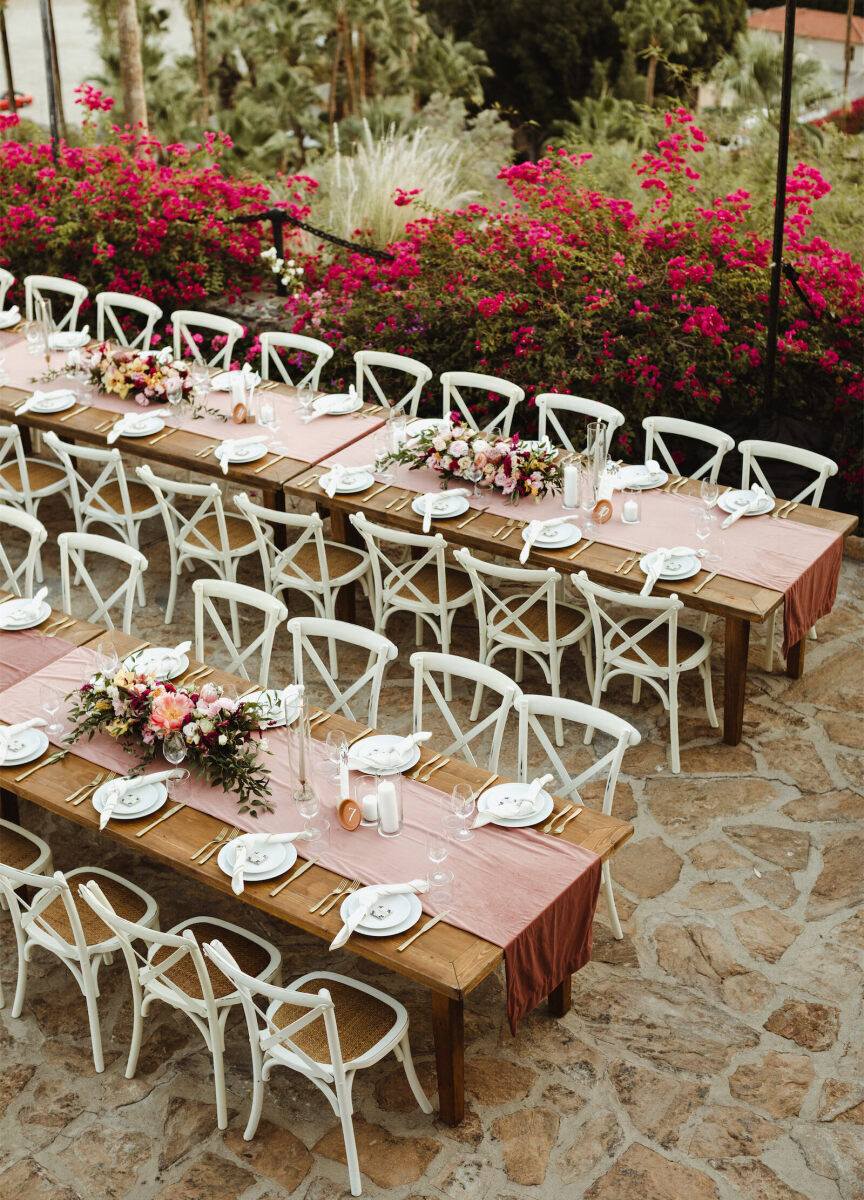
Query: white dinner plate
x,y
337,405
540,444
143,426
30,743
443,508
67,340
380,741
375,928
10,318
731,502
160,660
142,801
635,476
278,858
507,791
676,568
358,481
272,713
64,400
555,537
424,424
9,608
243,454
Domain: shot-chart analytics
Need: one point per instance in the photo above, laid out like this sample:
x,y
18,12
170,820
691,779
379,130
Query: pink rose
x,y
168,711
458,447
208,693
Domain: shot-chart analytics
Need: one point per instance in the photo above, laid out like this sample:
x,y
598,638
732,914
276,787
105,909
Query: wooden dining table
x,y
739,603
447,961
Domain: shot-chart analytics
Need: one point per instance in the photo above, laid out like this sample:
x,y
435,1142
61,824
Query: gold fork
x,y
570,817
427,775
230,838
504,532
220,837
88,792
395,499
562,812
353,886
627,562
94,783
418,771
205,450
335,892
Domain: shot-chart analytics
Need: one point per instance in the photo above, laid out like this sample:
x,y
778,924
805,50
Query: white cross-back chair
x,y
187,323
23,851
381,651
24,482
426,665
54,921
50,288
453,382
7,279
73,547
551,404
531,709
309,563
751,451
650,647
530,620
206,592
297,344
368,360
325,1026
423,586
106,498
109,307
656,427
20,579
174,971
206,535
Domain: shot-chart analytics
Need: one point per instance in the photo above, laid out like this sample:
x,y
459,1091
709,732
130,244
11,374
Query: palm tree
x,y
659,29
755,71
131,68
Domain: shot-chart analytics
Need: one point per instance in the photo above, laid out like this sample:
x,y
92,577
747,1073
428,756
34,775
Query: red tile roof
x,y
809,23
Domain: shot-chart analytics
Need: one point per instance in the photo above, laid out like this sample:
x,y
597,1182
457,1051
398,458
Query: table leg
x,y
277,503
9,806
448,1026
795,661
341,530
559,1000
737,645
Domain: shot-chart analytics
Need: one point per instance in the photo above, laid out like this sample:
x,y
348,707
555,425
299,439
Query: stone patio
x,y
715,1053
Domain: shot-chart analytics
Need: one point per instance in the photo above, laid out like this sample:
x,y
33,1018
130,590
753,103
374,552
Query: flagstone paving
x,y
715,1054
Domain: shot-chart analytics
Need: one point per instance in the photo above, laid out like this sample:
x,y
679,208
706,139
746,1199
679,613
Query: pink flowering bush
x,y
574,291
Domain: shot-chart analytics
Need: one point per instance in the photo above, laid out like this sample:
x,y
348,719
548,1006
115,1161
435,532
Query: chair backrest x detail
x,y
453,382
207,592
380,649
283,565
108,307
656,427
73,547
426,665
46,287
187,322
90,504
753,449
297,345
551,404
366,362
395,578
500,613
14,577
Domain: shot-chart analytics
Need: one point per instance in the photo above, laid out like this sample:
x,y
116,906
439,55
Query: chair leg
x,y
256,1106
21,982
709,693
137,1028
637,689
555,688
673,725
343,1097
172,594
402,1050
90,993
217,1049
606,883
520,666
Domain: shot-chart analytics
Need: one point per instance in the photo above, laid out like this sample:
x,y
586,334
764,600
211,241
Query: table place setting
x,y
256,857
669,565
386,753
276,706
745,502
23,613
337,404
133,796
164,661
23,742
440,505
380,910
68,339
48,403
556,533
346,480
10,317
643,477
241,450
133,425
514,805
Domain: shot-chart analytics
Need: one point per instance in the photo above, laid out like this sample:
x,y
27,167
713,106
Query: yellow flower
x,y
124,678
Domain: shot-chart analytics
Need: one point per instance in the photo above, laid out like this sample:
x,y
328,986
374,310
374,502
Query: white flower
x,y
263,745
439,442
223,741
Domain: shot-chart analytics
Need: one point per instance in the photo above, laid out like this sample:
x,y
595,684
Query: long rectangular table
x,y
448,961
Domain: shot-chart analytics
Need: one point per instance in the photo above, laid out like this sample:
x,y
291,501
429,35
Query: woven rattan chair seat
x,y
656,643
17,850
249,956
206,533
425,580
340,560
39,474
363,1020
123,900
536,619
140,497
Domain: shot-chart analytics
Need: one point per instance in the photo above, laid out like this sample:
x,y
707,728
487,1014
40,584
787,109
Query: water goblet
x,y
335,745
306,398
33,336
107,658
462,805
709,491
308,802
478,499
173,786
200,376
437,851
49,698
705,526
318,842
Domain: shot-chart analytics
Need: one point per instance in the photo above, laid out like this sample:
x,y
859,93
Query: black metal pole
x,y
47,48
780,204
7,62
278,222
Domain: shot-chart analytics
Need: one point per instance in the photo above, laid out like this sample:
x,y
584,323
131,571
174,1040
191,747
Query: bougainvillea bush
x,y
658,311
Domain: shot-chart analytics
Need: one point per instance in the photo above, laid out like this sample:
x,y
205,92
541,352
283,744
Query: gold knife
x,y
492,779
266,465
46,762
701,585
789,511
584,546
432,921
160,437
468,520
310,862
171,812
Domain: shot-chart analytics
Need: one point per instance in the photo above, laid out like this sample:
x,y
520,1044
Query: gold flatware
x,y
307,483
131,653
556,816
320,719
353,886
248,693
165,816
670,483
106,778
414,936
205,450
707,579
676,487
310,862
220,837
85,787
103,425
492,779
427,775
468,520
230,838
265,465
789,511
395,499
359,737
418,771
377,492
403,504
572,816
205,674
46,762
75,412
584,546
631,565
504,532
160,437
336,892
627,562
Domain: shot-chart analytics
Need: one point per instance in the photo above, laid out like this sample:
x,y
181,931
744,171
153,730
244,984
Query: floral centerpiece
x,y
146,376
454,450
140,711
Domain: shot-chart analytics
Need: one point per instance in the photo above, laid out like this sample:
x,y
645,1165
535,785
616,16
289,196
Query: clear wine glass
x,y
107,658
705,527
199,373
33,336
335,745
437,852
478,499
305,398
462,804
318,843
709,491
174,748
308,803
49,698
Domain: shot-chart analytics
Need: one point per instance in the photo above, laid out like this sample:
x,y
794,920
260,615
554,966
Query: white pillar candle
x,y
571,486
268,414
630,513
369,808
388,809
344,785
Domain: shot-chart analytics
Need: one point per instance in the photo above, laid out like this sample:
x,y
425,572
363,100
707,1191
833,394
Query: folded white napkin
x,y
516,807
533,530
7,733
392,757
662,555
10,316
69,339
168,660
131,423
23,610
758,495
337,473
229,381
40,397
278,703
249,842
231,444
430,500
118,788
370,899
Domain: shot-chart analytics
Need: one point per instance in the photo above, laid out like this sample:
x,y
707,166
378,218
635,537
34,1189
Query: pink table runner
x,y
308,443
531,894
802,561
23,653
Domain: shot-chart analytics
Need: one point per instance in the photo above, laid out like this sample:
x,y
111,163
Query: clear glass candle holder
x,y
390,809
631,506
366,798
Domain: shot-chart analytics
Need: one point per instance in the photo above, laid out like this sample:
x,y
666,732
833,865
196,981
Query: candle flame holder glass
x,y
631,506
390,809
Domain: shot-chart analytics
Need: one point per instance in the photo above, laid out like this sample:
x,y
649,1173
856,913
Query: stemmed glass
x,y
33,336
709,491
306,398
705,527
462,805
478,499
199,373
107,659
49,698
335,745
174,751
439,878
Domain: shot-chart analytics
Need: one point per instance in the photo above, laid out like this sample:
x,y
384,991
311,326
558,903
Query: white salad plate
x,y
275,859
357,760
242,454
405,904
337,405
555,537
54,403
142,801
158,660
11,620
25,746
636,476
731,502
273,715
675,568
443,508
504,793
425,424
139,426
357,481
